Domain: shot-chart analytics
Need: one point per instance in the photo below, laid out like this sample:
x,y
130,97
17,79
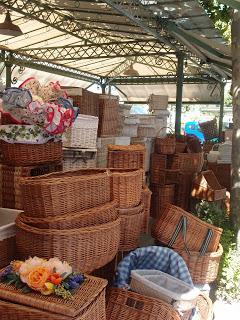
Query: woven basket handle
x,y
171,130
206,242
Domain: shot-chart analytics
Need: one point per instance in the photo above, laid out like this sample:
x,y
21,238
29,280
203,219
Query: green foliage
x,y
220,15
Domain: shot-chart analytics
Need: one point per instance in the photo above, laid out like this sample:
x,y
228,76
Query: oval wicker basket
x,y
86,249
203,269
20,154
129,157
131,226
67,192
127,187
86,218
169,229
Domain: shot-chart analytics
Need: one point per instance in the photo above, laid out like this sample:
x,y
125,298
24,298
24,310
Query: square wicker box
x,y
88,303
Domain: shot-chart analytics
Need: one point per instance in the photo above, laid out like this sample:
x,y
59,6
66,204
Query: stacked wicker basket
x,y
25,160
172,170
69,215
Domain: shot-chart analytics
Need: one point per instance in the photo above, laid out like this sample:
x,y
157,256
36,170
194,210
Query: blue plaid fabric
x,y
155,258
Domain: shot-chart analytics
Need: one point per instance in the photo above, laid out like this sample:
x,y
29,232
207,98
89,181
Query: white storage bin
x,y
132,120
83,133
130,130
122,141
7,235
74,159
158,102
147,120
160,285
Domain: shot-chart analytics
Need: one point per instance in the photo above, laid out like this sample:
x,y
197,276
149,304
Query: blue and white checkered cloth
x,y
154,258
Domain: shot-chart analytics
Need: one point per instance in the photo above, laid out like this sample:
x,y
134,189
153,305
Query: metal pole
x,y
221,111
8,66
180,78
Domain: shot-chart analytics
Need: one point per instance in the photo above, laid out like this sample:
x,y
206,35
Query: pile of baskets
x,y
195,240
171,172
69,215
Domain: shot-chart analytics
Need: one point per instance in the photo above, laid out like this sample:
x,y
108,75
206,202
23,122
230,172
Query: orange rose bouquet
x,y
45,276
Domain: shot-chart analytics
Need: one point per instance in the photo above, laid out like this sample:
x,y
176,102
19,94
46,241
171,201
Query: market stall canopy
x,y
99,41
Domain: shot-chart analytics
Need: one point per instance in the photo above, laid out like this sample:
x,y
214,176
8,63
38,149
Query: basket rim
x,y
63,232
214,254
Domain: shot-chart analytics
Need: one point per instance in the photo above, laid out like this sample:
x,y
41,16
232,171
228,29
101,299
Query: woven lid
x,y
82,298
132,147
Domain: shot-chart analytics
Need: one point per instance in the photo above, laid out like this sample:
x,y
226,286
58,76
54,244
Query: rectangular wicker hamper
x,y
79,159
108,115
88,303
7,235
179,229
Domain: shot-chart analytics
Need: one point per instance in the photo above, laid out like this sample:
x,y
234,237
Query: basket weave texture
x,y
165,145
88,303
86,249
127,187
20,154
207,187
11,176
203,269
69,192
146,201
123,304
83,133
132,220
73,159
128,157
205,309
88,102
108,115
196,230
209,129
187,162
7,251
86,218
161,196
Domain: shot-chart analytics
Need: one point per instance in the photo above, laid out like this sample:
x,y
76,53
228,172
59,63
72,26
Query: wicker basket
x,y
161,195
179,229
7,236
83,133
158,164
127,187
20,154
203,268
88,303
166,145
108,115
187,162
86,249
10,178
183,190
79,159
181,147
62,193
86,218
204,306
86,101
207,187
128,157
222,172
123,305
146,201
131,226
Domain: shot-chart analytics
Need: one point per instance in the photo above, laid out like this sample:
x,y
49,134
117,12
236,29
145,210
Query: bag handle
x,y
164,128
182,226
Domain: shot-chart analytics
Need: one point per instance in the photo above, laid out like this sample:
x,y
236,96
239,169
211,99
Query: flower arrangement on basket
x,y
44,276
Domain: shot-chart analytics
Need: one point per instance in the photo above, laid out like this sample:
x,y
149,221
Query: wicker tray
x,y
62,193
127,187
207,187
123,305
86,218
131,226
86,249
83,133
179,229
19,154
129,157
88,303
203,269
11,176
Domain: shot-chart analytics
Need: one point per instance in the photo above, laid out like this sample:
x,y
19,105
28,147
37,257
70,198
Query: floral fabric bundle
x,y
44,276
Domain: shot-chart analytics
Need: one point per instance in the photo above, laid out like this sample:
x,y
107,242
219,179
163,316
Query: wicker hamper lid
x,y
82,298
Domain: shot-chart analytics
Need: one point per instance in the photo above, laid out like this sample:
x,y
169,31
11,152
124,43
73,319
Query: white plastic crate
x,y
160,285
83,133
